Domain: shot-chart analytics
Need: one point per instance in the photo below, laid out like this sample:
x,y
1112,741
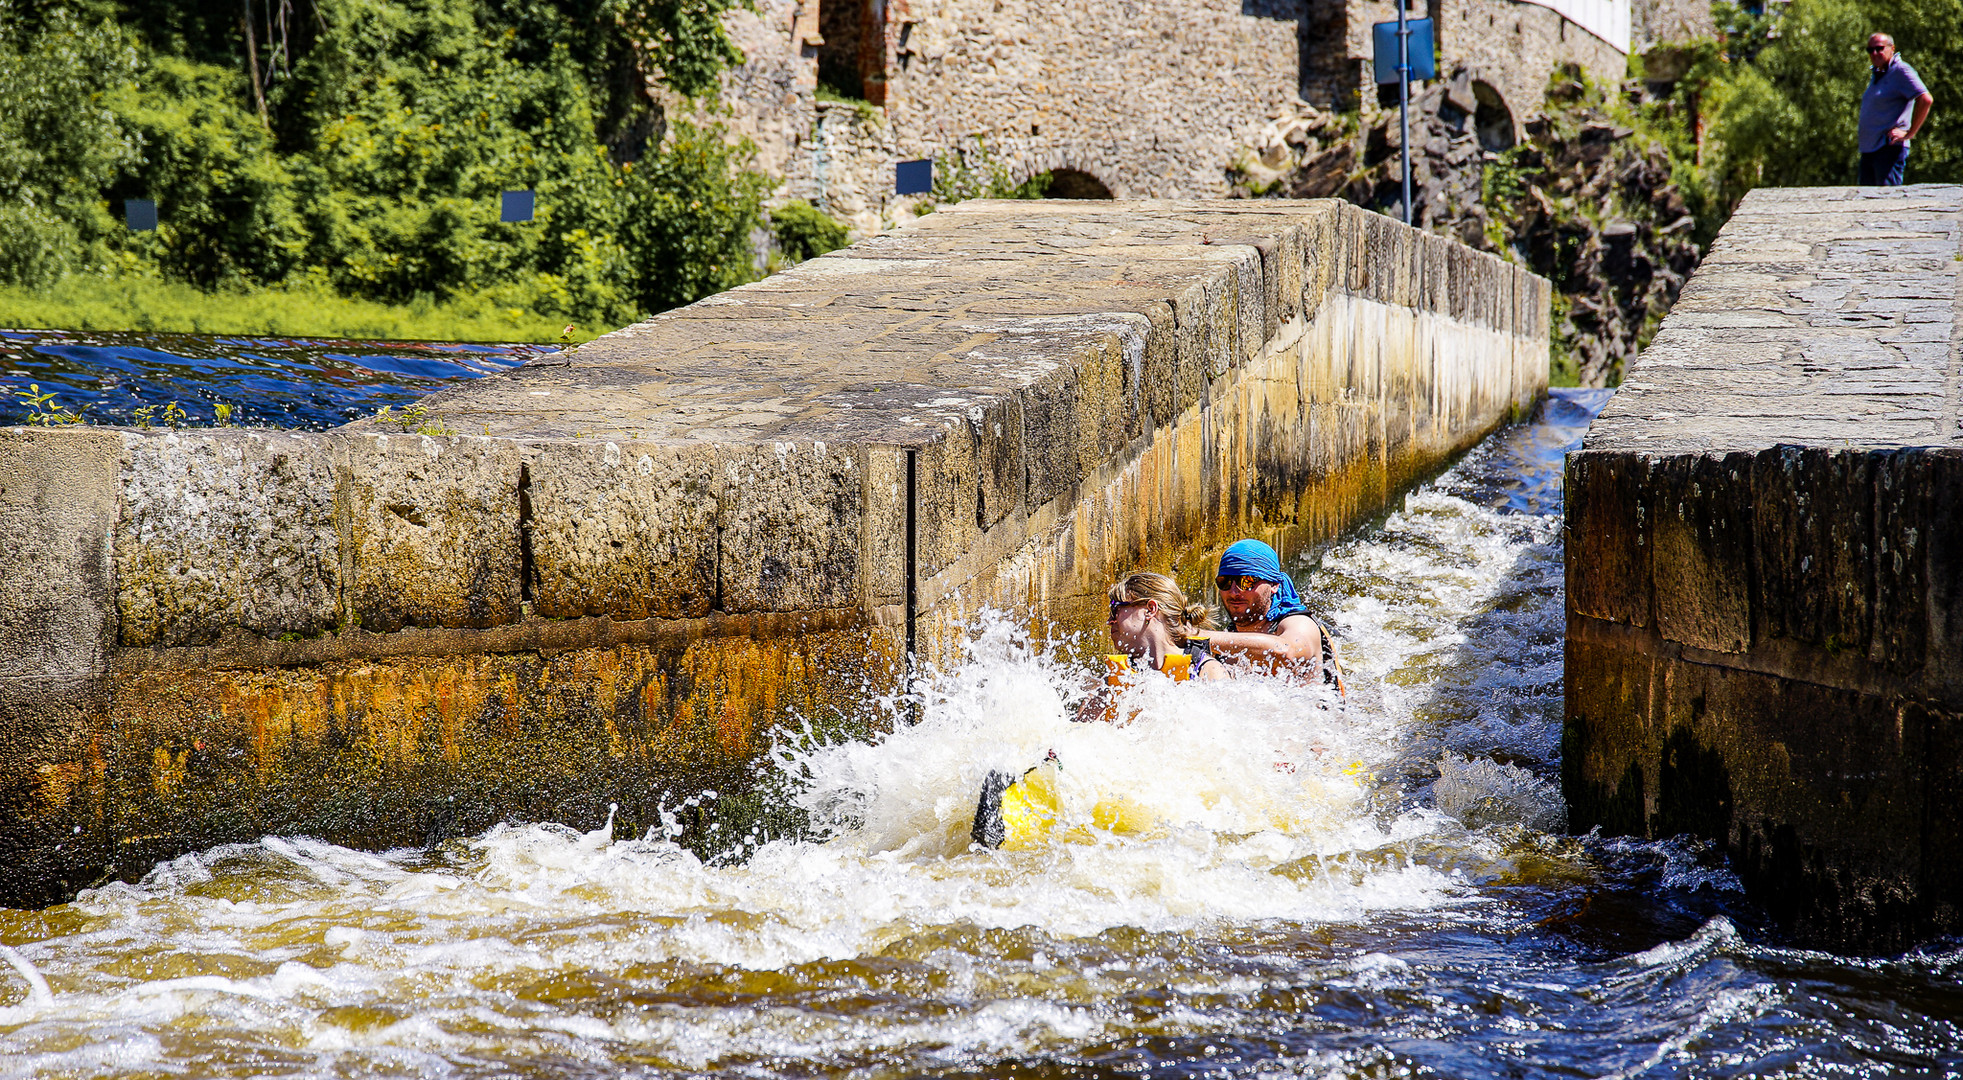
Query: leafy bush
x,y
227,212
978,174
61,145
689,214
804,231
368,156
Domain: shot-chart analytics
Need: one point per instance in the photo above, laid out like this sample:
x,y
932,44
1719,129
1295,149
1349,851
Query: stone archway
x,y
1075,184
1493,121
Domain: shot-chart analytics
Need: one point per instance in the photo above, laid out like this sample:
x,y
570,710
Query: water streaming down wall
x,y
665,544
1390,906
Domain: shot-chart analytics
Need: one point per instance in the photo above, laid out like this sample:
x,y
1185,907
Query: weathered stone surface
x,y
792,527
1700,551
409,750
1146,100
622,529
1763,553
57,630
58,493
226,530
433,536
757,503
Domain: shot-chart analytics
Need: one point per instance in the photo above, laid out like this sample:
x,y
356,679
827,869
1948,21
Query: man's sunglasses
x,y
1238,582
1877,48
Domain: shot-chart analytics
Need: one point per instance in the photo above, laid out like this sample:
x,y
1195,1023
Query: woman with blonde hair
x,y
1153,625
1152,622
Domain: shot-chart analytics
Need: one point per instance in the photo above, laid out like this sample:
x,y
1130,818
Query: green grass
x,y
97,303
867,110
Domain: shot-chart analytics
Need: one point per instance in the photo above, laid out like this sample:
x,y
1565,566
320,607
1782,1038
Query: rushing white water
x,y
1328,885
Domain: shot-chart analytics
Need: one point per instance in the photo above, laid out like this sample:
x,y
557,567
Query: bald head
x,y
1881,50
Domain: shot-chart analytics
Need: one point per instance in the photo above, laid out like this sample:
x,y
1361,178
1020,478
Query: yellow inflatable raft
x,y
1018,813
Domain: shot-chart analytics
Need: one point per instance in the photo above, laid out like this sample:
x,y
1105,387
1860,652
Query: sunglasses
x,y
1238,582
1120,605
1877,48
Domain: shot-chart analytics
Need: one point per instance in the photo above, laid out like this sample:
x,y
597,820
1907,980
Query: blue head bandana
x,y
1256,559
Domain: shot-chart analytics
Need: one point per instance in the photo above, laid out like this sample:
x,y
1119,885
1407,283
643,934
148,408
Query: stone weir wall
x,y
1765,569
641,556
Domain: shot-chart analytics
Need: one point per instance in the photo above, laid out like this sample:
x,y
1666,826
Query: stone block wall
x,y
1515,48
1765,562
676,537
1153,98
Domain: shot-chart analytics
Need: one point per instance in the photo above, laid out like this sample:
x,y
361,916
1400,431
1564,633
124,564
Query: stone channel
x,y
1765,569
606,576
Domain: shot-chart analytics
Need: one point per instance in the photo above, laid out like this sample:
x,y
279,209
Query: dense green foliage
x,y
804,231
358,147
61,146
1780,95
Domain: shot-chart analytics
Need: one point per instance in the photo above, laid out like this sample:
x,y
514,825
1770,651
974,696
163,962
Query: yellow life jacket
x,y
1118,667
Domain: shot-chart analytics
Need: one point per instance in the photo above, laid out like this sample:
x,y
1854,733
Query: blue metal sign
x,y
517,206
1424,59
913,177
140,214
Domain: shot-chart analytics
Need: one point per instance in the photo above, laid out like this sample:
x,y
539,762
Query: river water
x,y
315,383
1372,888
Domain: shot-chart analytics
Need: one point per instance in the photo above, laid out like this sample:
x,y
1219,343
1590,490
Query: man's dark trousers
x,y
1883,167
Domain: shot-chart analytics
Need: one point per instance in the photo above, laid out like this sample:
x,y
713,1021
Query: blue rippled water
x,y
313,383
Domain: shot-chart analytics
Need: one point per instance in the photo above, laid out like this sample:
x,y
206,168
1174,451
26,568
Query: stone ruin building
x,y
1116,98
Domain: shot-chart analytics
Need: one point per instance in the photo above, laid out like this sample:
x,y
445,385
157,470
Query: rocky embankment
x,y
1579,198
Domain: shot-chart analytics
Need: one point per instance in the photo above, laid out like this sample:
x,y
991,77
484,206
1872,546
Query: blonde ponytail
x,y
1183,618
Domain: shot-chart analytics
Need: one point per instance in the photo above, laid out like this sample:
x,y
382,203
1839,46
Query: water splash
x,y
1365,887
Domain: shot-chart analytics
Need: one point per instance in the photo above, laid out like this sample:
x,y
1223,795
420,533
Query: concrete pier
x,y
608,574
1765,569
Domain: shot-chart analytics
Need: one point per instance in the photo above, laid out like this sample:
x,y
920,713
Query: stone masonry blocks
x,y
57,632
885,526
433,533
791,527
58,509
1765,558
626,530
1701,551
1007,399
224,530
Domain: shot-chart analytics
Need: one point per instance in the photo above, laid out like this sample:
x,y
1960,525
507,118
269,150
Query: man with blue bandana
x,y
1272,627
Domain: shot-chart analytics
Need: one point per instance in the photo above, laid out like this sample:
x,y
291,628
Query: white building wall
x,y
1606,19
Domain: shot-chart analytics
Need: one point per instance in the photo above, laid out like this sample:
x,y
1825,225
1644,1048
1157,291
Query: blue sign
x,y
140,214
913,177
518,206
1424,61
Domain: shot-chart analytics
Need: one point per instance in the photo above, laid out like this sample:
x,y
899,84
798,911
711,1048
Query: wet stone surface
x,y
639,561
1765,543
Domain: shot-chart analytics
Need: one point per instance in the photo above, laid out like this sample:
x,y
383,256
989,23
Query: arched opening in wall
x,y
852,61
1075,184
1493,122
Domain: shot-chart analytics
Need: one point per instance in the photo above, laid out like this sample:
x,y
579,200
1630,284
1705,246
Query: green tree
x,y
226,199
361,145
1785,112
61,144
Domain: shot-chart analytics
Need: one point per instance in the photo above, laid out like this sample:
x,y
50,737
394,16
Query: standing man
x,y
1892,111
